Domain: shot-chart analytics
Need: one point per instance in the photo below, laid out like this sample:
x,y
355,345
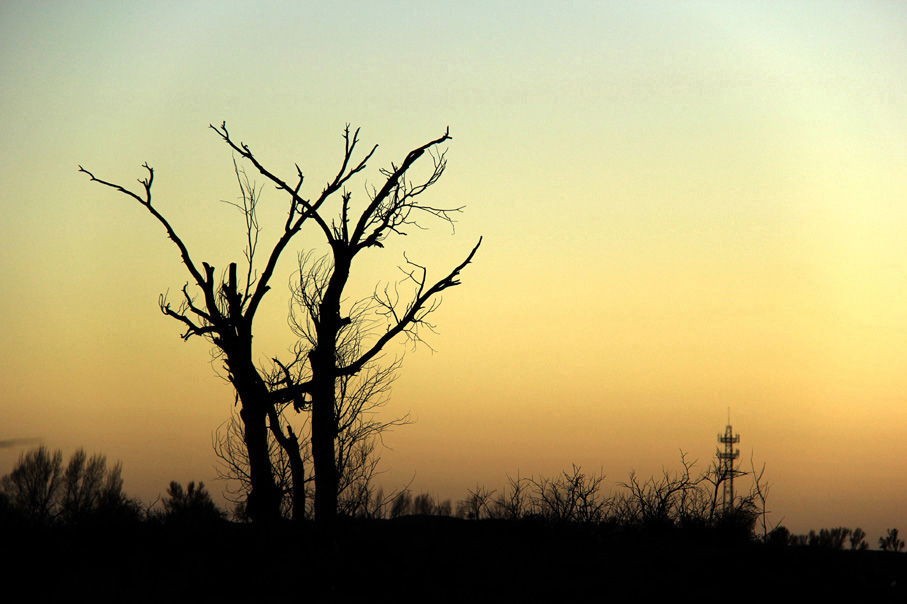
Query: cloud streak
x,y
10,443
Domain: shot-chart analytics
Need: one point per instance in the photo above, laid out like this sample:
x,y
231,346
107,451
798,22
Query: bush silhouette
x,y
890,542
190,506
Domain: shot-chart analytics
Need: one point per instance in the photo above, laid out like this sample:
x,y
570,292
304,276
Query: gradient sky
x,y
687,207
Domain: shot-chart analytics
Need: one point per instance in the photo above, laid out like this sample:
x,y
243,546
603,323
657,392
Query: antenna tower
x,y
726,463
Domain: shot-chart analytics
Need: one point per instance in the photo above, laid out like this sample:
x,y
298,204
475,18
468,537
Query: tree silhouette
x,y
40,491
336,343
192,505
33,487
890,542
229,446
229,303
358,439
857,537
834,538
92,490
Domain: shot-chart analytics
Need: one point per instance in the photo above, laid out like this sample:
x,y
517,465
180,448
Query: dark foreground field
x,y
432,559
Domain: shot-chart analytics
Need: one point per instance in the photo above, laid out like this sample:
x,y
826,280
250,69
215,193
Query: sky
x,y
689,209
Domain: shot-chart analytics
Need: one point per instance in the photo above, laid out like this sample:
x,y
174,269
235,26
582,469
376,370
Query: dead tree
x,y
359,435
225,313
337,344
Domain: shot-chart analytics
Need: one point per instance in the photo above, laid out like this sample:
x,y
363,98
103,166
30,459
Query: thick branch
x,y
146,182
206,282
293,390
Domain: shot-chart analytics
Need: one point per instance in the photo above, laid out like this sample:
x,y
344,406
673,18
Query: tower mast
x,y
726,463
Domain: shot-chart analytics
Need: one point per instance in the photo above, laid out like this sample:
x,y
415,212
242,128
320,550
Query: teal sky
x,y
687,206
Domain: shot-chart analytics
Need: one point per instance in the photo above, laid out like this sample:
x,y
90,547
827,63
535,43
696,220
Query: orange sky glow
x,y
687,207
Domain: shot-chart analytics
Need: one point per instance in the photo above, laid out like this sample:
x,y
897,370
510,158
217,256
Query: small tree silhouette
x,y
190,506
891,543
779,536
570,497
402,504
33,487
91,491
477,505
857,539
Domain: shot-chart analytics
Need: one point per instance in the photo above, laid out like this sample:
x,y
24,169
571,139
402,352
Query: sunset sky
x,y
687,207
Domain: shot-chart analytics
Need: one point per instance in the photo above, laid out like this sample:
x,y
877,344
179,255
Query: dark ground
x,y
431,559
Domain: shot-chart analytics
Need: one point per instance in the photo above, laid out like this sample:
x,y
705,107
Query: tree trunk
x,y
323,455
323,360
264,500
297,471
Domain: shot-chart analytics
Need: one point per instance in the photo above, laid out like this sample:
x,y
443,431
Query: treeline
x,y
682,500
41,491
838,538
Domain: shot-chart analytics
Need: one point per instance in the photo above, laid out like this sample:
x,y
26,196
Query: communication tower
x,y
726,462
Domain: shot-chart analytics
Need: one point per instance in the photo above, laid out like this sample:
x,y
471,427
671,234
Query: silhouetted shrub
x,y
404,504
799,540
571,497
856,539
190,506
779,536
676,500
477,505
736,523
835,538
890,542
425,505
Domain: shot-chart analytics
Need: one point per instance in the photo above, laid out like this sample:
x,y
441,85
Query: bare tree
x,y
478,505
340,341
514,502
679,498
357,396
229,446
570,497
857,542
891,542
228,305
686,499
359,436
89,488
33,487
759,498
40,490
226,313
